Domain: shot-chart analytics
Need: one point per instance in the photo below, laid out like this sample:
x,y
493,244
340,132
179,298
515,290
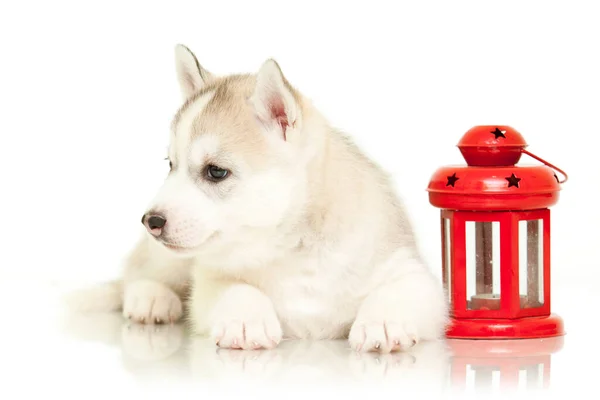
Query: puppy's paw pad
x,y
149,302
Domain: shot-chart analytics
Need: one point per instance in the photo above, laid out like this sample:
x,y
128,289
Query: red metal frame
x,y
459,265
505,328
510,306
510,320
510,264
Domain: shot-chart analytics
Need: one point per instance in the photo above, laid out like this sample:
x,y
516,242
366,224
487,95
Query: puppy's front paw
x,y
382,336
151,302
245,319
399,314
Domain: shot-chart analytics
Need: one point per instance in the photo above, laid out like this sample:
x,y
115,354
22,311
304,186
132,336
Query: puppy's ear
x,y
190,74
274,99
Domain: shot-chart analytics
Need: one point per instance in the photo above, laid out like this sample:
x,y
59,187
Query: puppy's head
x,y
236,162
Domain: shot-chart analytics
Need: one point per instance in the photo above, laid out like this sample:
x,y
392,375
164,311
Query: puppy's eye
x,y
215,173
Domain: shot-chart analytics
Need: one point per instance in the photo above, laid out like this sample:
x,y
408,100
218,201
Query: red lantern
x,y
495,222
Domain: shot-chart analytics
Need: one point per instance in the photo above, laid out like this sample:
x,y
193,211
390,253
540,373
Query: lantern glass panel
x,y
483,265
447,258
531,263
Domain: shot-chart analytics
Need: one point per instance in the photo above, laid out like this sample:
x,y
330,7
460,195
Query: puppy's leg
x,y
155,284
235,315
400,313
152,289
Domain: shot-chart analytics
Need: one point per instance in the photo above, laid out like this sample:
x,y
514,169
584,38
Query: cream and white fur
x,y
304,238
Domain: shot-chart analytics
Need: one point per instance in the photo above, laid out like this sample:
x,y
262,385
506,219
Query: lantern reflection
x,y
502,365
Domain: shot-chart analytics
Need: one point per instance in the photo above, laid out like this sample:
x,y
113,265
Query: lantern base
x,y
522,328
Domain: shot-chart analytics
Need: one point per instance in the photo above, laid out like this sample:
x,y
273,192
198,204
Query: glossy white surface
x,y
46,350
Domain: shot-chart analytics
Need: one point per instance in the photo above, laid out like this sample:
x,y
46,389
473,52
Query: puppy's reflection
x,y
423,368
147,351
169,351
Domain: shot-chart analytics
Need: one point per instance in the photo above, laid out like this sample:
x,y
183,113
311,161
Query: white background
x,y
87,93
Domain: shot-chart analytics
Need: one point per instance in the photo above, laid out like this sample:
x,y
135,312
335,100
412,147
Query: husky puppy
x,y
276,225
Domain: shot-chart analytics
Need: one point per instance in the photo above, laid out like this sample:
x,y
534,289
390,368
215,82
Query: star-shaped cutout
x,y
452,180
513,181
498,133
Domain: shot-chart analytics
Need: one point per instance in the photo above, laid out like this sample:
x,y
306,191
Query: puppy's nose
x,y
154,223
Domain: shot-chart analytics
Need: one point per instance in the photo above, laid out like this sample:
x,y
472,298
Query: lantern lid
x,y
491,181
488,145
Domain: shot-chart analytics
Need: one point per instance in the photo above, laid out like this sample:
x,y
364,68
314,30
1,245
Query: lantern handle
x,y
548,164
